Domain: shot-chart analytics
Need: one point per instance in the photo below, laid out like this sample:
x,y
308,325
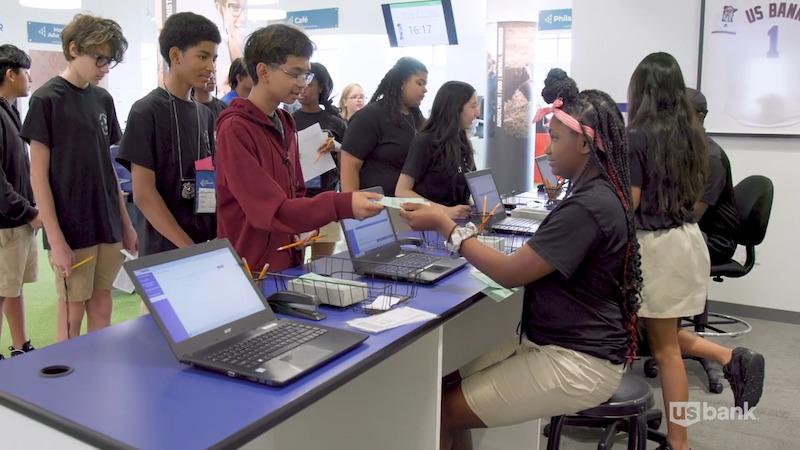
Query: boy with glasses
x,y
71,124
260,189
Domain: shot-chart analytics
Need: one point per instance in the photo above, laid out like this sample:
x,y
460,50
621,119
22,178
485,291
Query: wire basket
x,y
506,242
335,282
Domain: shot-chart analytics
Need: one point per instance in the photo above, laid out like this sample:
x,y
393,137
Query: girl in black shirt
x,y
581,278
441,154
378,136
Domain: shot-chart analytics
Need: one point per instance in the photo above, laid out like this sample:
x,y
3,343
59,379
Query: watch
x,y
459,235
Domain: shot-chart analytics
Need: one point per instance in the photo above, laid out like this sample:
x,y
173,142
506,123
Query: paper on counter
x,y
391,319
493,290
310,140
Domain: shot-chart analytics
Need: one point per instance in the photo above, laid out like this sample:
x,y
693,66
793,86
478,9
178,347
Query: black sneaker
x,y
2,357
26,347
745,373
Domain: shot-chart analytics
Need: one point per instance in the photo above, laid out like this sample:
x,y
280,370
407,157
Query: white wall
x,y
609,40
128,81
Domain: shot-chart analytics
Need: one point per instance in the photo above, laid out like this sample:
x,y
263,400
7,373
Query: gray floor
x,y
778,414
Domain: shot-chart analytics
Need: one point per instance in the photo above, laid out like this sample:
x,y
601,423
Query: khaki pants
x,y
99,273
19,260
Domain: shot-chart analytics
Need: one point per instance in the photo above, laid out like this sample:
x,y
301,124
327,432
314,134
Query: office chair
x,y
754,204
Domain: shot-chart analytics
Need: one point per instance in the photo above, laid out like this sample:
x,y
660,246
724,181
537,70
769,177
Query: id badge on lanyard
x,y
205,199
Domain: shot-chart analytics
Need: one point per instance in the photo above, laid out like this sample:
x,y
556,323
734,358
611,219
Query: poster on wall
x,y
750,61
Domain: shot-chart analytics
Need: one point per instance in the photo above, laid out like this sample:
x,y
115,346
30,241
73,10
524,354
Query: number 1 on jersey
x,y
773,42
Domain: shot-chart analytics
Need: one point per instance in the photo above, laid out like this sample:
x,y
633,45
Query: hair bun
x,y
559,84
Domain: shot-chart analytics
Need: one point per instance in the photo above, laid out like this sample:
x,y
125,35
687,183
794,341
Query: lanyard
x,y
178,130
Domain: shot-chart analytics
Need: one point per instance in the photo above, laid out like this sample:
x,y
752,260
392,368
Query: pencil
x,y
300,242
247,268
263,271
82,262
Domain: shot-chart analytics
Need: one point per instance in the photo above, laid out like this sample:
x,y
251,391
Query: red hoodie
x,y
260,203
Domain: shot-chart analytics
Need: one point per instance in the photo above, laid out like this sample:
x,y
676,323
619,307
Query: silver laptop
x,y
375,250
482,186
214,317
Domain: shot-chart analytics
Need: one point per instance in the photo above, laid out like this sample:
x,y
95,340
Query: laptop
x,y
375,250
481,185
214,317
545,171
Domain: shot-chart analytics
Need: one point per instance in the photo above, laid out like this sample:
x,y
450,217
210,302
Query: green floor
x,y
40,308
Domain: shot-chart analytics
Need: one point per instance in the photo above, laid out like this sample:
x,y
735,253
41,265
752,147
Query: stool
x,y
629,409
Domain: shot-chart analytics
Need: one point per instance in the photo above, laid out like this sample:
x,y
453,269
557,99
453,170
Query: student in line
x,y
260,191
441,154
351,100
168,133
378,137
239,81
669,169
716,212
205,95
581,278
317,108
19,218
71,124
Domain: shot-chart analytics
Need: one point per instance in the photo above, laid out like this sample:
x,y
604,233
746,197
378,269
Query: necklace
x,y
412,123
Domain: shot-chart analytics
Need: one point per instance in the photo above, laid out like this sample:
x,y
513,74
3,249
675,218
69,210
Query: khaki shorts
x,y
99,273
19,259
517,383
675,272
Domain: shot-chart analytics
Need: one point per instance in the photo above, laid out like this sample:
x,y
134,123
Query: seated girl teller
x,y
581,276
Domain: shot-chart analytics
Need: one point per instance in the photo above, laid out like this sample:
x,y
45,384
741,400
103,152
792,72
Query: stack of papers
x,y
493,290
330,291
391,319
395,202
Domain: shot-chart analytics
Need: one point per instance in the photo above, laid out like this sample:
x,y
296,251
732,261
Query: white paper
x,y
391,319
310,140
384,302
395,202
123,281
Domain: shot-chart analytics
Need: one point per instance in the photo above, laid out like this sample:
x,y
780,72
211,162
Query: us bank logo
x,y
689,413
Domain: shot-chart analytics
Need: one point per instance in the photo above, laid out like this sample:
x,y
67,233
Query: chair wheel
x,y
654,424
650,368
715,388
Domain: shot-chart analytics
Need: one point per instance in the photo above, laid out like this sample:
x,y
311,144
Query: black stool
x,y
629,409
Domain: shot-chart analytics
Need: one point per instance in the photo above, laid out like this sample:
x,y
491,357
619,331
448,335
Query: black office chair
x,y
754,204
629,410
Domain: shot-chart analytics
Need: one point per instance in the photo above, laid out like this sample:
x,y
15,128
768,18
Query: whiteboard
x,y
750,65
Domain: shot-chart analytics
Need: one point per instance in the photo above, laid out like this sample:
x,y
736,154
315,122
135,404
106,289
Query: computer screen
x,y
483,187
420,23
199,293
368,234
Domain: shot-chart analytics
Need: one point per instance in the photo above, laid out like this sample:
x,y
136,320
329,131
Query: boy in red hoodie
x,y
260,188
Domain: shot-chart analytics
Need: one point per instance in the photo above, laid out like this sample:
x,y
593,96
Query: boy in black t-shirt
x,y
71,125
168,133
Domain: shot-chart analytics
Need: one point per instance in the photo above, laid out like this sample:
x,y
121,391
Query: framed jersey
x,y
750,61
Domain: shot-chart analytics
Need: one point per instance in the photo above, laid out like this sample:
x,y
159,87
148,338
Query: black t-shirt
x,y
382,142
720,222
79,126
335,126
578,306
433,178
151,141
649,216
216,106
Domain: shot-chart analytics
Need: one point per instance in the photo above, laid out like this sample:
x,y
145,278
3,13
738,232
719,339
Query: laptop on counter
x,y
482,185
214,317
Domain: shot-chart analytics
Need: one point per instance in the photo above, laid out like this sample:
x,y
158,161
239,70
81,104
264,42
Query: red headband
x,y
571,122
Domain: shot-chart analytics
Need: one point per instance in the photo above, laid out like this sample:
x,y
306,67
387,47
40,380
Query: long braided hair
x,y
390,93
598,110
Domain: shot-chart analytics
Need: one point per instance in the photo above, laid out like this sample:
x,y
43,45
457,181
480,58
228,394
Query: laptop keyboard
x,y
407,264
518,223
257,350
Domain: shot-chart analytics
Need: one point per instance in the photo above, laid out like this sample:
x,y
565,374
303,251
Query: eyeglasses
x,y
103,60
235,8
304,77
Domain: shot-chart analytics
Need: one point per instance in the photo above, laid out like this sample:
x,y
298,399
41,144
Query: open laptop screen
x,y
369,234
546,172
198,293
482,185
